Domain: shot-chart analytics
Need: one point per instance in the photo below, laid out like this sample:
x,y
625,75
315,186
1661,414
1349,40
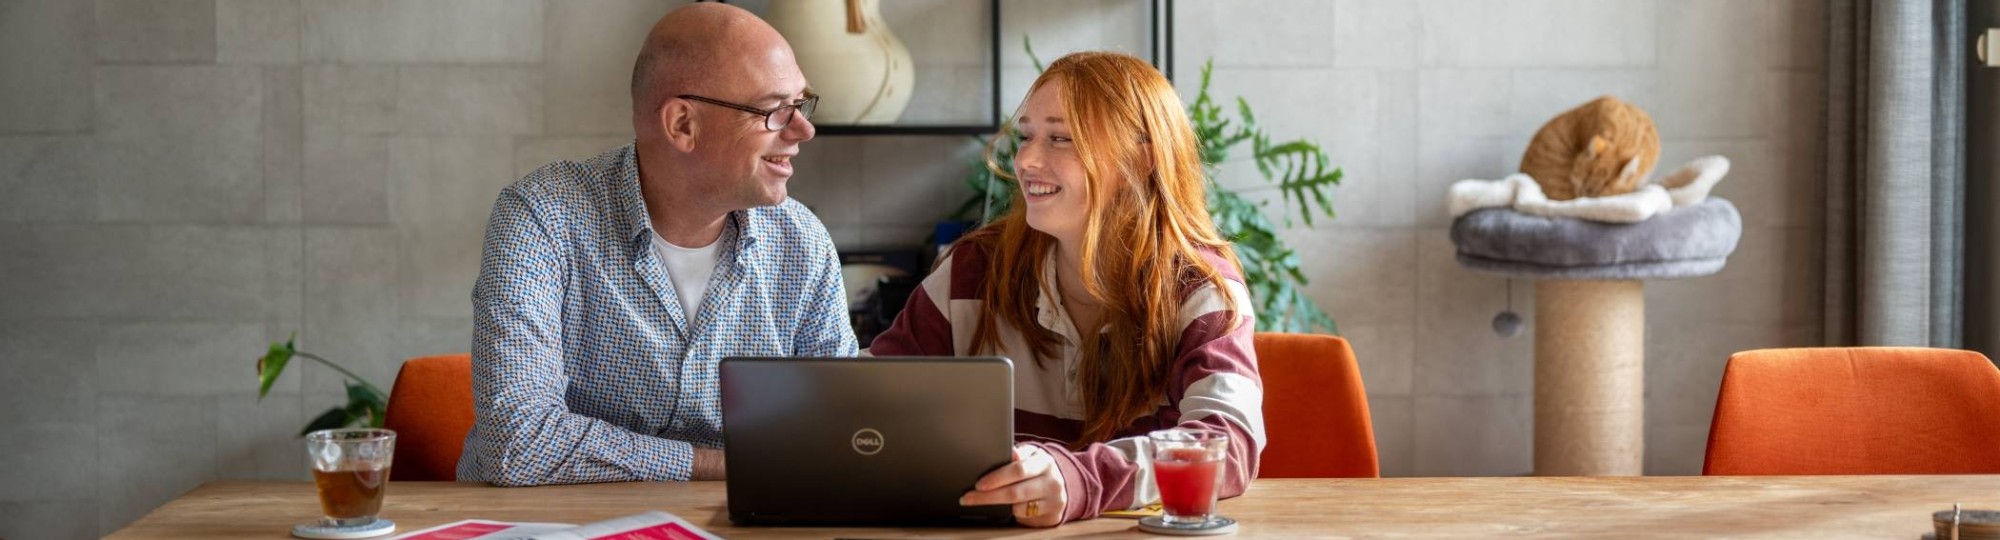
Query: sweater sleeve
x,y
1215,387
922,328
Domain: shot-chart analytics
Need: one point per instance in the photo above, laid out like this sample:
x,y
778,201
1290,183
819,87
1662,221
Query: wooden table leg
x,y
1590,378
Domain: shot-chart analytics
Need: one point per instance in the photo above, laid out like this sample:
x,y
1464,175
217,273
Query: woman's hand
x,y
1033,484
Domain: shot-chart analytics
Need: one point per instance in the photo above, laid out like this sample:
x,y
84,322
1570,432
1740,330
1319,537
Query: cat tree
x,y
1590,316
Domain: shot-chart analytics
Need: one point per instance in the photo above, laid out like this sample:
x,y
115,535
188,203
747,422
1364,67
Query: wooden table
x,y
1603,507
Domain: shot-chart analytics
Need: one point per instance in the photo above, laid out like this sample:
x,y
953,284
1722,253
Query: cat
x,y
1604,147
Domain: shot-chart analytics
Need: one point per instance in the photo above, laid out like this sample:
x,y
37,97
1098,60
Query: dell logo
x,y
867,442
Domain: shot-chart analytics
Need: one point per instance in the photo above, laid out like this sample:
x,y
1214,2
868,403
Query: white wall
x,y
186,180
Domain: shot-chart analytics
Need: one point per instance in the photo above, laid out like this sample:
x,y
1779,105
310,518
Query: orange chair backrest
x,y
1315,409
430,408
1866,410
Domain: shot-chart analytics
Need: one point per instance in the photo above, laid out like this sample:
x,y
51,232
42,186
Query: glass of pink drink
x,y
1187,465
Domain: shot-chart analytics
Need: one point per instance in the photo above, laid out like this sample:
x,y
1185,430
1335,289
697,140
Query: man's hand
x,y
1033,484
708,464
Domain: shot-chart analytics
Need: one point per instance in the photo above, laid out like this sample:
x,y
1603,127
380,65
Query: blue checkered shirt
x,y
585,368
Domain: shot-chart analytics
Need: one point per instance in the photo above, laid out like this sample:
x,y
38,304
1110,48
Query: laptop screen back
x,y
864,440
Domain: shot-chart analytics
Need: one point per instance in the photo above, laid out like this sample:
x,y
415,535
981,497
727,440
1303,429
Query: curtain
x,y
1895,183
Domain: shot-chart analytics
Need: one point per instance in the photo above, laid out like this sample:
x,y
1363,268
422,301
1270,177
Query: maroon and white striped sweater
x,y
1213,382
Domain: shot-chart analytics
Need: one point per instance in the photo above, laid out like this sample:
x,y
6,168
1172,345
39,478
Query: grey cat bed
x,y
1688,241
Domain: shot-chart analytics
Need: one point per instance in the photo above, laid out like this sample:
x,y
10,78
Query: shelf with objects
x,y
876,74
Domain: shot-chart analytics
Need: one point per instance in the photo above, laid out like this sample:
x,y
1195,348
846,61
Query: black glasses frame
x,y
772,121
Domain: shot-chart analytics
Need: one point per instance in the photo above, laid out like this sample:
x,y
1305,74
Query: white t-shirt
x,y
689,270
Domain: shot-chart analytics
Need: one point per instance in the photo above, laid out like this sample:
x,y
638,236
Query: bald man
x,y
610,288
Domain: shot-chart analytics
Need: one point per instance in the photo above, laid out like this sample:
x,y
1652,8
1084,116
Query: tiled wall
x,y
186,180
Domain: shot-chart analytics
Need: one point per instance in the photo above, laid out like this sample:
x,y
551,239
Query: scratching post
x,y
1590,317
1590,377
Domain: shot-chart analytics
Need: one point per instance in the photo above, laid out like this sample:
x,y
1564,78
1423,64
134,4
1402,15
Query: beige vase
x,y
861,72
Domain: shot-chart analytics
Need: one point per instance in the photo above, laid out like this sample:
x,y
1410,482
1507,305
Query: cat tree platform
x,y
1590,317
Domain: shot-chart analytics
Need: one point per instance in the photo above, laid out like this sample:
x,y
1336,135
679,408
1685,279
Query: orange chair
x,y
1315,409
1856,411
430,408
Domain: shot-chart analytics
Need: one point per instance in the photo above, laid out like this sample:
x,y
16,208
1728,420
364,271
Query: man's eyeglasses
x,y
774,119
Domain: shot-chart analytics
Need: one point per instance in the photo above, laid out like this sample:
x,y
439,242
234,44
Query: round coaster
x,y
378,527
1215,525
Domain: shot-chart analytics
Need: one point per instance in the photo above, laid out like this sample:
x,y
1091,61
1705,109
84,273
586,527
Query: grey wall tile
x,y
1385,353
51,377
438,264
351,273
46,179
156,30
1797,120
1676,450
1460,354
469,100
1348,119
587,73
944,32
1798,33
46,49
427,336
258,439
366,346
346,179
913,181
1461,103
1474,435
1537,33
212,273
1058,27
258,31
532,153
1769,185
447,180
1444,159
1773,277
1395,434
48,461
1373,33
284,144
1685,361
352,305
180,359
1714,79
150,450
952,94
409,31
350,99
178,144
1359,275
50,519
827,178
1287,33
1538,95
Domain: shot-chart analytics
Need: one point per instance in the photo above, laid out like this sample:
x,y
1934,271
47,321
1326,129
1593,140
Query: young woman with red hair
x,y
1124,310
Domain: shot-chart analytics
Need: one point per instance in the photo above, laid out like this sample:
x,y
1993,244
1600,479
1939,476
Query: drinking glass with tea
x,y
350,468
1187,467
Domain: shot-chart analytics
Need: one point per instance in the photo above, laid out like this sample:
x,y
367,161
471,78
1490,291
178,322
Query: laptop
x,y
865,441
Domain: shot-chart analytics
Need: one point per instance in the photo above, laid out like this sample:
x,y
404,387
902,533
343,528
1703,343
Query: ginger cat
x,y
1604,147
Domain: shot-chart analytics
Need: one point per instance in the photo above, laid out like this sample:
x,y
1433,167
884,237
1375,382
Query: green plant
x,y
1299,168
366,404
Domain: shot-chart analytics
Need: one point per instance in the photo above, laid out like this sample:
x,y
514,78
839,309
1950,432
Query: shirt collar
x,y
636,223
1049,311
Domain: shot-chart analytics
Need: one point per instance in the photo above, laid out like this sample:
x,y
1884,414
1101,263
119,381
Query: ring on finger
x,y
1033,509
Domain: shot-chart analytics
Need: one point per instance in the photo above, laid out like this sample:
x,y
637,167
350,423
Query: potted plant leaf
x,y
366,403
1298,167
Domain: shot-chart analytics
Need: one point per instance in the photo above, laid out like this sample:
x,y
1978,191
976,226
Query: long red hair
x,y
1144,237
